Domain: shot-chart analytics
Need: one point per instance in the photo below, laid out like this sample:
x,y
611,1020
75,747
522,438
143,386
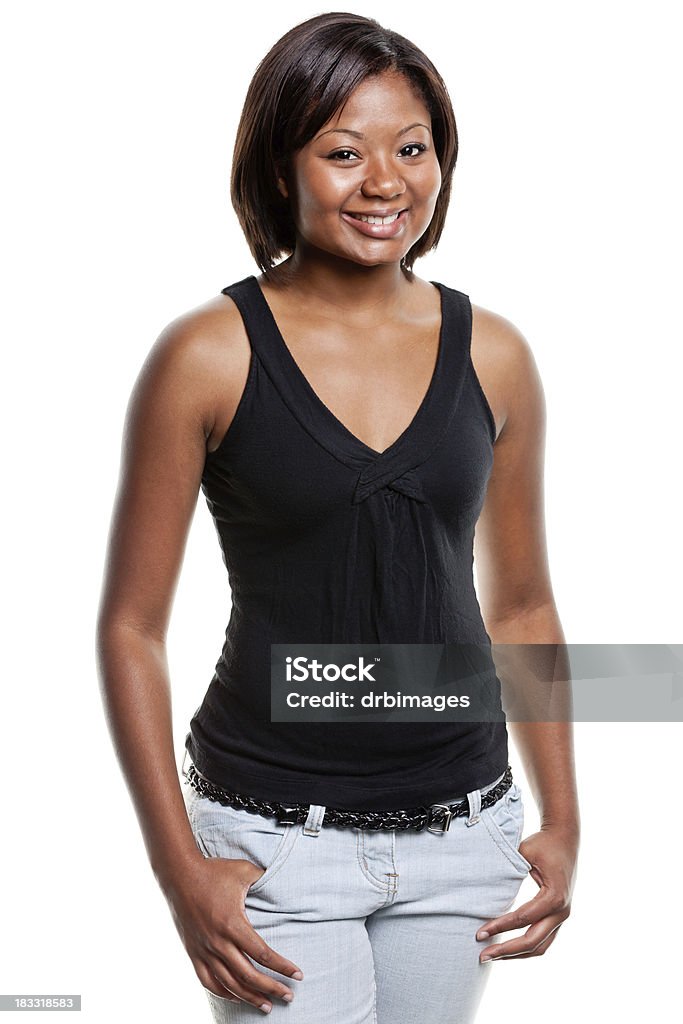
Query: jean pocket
x,y
504,822
236,834
190,797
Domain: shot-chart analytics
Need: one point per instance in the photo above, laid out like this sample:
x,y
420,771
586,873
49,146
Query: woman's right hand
x,y
207,903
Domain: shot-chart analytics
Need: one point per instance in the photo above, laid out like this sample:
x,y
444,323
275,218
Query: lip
x,y
376,213
378,230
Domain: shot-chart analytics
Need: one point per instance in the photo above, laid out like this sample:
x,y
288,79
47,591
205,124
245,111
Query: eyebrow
x,y
359,135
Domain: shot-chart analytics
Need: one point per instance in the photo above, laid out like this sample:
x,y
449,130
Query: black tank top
x,y
327,541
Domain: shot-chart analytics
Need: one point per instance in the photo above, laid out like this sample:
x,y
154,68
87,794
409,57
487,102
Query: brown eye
x,y
419,146
337,152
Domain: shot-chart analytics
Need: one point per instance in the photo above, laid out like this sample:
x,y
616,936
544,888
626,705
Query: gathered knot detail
x,y
407,483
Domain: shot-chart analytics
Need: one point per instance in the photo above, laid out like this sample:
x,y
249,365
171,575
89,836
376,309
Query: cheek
x,y
430,182
318,203
424,178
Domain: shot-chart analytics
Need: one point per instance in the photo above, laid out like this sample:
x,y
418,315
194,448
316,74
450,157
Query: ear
x,y
282,187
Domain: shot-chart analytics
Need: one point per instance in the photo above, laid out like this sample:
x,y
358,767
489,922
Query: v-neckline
x,y
332,419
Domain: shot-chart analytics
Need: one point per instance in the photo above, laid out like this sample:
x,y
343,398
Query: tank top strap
x,y
283,372
256,321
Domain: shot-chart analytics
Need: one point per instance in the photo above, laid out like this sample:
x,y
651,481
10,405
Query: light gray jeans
x,y
382,923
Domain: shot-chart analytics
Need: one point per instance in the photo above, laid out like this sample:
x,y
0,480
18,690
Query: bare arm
x,y
518,607
171,414
163,451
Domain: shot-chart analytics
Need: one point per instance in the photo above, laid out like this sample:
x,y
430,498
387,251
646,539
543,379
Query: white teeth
x,y
375,220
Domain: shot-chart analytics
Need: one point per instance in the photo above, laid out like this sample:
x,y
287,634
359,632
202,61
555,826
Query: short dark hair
x,y
296,88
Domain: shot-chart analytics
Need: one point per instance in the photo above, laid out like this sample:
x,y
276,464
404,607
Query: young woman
x,y
349,423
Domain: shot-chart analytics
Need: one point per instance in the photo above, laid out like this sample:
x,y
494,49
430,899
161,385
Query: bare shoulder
x,y
206,352
169,417
210,331
504,363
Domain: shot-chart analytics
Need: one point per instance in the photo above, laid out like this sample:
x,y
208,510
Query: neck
x,y
342,284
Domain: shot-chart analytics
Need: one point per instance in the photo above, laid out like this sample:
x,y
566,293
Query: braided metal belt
x,y
435,818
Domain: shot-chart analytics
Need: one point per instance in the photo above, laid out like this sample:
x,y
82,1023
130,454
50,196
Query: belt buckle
x,y
446,821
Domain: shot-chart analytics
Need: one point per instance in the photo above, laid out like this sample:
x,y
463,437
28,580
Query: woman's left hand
x,y
553,854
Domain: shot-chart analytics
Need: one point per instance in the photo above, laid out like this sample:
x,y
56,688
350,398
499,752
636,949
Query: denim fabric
x,y
382,924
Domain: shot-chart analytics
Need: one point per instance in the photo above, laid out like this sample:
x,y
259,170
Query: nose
x,y
383,179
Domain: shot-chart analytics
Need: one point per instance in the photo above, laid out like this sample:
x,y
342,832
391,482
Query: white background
x,y
118,125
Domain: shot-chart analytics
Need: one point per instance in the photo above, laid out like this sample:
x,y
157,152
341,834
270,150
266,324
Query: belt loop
x,y
474,800
316,813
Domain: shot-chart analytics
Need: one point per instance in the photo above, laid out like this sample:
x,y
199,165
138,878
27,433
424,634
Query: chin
x,y
374,261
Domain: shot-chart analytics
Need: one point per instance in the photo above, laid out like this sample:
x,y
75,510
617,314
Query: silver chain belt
x,y
435,818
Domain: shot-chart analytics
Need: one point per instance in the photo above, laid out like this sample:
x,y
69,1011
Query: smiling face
x,y
374,157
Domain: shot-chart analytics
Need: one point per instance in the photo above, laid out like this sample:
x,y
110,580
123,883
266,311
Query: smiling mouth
x,y
369,219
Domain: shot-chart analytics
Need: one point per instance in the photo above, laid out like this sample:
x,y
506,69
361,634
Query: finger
x,y
542,904
236,974
212,983
229,979
525,945
539,949
248,939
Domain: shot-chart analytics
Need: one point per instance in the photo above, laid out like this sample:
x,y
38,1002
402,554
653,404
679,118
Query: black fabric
x,y
326,540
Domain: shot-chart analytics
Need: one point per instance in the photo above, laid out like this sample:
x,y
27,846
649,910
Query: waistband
x,y
436,817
